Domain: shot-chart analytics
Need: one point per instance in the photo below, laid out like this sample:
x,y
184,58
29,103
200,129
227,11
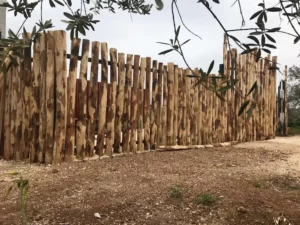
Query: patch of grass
x,y
258,185
206,199
175,192
294,130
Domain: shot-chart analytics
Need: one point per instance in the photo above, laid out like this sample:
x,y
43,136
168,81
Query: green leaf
x,y
263,40
185,42
9,190
225,88
270,38
274,30
254,39
166,51
249,112
296,40
266,50
68,15
270,46
12,173
243,107
248,51
159,4
252,88
274,9
211,66
255,14
163,43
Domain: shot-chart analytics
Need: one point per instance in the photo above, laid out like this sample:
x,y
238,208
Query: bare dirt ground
x,y
251,184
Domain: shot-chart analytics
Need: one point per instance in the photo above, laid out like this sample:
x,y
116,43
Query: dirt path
x,y
251,183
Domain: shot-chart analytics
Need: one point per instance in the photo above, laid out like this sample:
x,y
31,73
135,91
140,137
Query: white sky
x,y
140,35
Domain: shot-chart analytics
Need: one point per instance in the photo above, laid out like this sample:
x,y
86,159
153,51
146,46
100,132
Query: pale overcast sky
x,y
139,36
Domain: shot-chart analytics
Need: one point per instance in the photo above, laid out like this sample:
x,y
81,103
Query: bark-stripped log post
x,y
184,107
158,113
274,119
243,94
225,95
93,100
200,118
102,100
205,115
267,93
260,82
134,104
7,118
126,118
19,88
71,92
188,108
13,111
239,74
27,129
42,98
234,74
119,102
180,107
154,106
50,98
246,91
210,116
175,127
147,105
193,112
110,134
81,134
35,101
164,109
170,105
285,106
141,104
60,95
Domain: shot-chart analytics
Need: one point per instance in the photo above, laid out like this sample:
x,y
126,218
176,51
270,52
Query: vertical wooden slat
x,y
210,116
200,112
102,100
60,95
158,112
71,92
170,105
239,77
141,125
126,119
154,107
119,102
50,98
147,105
273,89
164,109
176,98
110,134
180,107
27,129
93,99
19,87
81,133
193,112
35,101
267,111
134,104
42,98
188,108
6,125
225,103
285,106
13,111
184,106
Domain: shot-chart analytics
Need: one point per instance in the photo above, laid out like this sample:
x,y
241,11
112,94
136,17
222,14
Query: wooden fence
x,y
140,104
